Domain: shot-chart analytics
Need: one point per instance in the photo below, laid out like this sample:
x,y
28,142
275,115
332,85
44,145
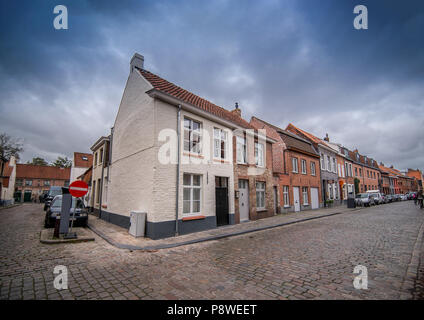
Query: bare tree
x,y
9,147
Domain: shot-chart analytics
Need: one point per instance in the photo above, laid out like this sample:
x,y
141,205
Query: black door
x,y
221,201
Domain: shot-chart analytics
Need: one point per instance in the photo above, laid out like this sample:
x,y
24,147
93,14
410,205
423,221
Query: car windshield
x,y
55,192
57,203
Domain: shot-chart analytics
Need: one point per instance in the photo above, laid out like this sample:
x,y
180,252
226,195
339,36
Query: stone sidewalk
x,y
120,238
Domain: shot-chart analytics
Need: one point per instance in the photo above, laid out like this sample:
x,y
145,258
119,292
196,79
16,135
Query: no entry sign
x,y
78,189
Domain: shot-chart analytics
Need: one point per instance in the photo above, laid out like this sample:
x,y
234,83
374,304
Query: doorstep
x,y
120,238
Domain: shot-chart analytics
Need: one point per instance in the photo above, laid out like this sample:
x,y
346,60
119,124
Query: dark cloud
x,y
284,61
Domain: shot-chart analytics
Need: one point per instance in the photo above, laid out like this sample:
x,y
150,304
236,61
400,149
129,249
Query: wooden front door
x,y
221,201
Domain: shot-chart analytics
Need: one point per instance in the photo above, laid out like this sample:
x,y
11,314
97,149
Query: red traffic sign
x,y
78,189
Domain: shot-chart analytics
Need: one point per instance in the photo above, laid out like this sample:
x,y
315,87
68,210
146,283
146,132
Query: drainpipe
x,y
178,167
101,183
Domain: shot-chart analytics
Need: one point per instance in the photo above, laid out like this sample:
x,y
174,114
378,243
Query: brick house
x,y
418,176
406,183
389,180
366,171
32,181
296,167
172,158
328,165
82,161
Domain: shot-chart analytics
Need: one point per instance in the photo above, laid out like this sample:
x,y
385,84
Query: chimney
x,y
382,164
137,61
327,137
237,110
391,167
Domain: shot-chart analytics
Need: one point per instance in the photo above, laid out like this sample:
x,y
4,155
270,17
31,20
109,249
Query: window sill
x,y
193,155
220,160
199,217
285,207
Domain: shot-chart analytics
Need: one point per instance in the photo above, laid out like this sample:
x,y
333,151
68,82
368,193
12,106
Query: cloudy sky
x,y
283,61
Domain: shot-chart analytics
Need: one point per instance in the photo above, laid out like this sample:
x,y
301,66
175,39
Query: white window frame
x,y
241,150
286,197
220,136
259,160
313,169
305,196
303,166
329,163
322,161
334,165
295,165
191,132
192,187
260,195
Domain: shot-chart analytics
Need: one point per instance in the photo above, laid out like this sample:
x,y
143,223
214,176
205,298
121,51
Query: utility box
x,y
137,223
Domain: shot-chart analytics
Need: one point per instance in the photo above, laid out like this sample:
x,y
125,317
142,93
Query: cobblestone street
x,y
307,260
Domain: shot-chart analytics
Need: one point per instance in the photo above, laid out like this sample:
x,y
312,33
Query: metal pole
x,y
101,183
178,169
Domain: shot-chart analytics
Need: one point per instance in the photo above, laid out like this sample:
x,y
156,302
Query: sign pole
x,y
77,189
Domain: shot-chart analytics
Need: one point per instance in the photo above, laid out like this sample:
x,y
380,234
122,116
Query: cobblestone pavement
x,y
308,260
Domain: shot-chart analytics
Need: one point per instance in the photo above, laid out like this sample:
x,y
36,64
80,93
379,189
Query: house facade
x,y
32,181
172,158
328,165
417,174
7,181
389,180
296,166
100,172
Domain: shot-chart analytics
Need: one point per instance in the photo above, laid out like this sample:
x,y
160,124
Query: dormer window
x,y
84,158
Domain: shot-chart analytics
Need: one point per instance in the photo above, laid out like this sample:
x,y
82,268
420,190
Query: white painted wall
x,y
7,193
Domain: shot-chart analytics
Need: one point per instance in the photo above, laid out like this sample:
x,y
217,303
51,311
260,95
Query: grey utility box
x,y
137,223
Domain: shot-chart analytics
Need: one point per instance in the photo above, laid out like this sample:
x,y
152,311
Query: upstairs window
x,y
303,166
322,162
313,172
28,182
259,154
328,163
334,165
295,167
241,150
192,136
220,143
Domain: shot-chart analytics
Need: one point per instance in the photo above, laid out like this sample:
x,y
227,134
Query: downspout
x,y
178,168
101,183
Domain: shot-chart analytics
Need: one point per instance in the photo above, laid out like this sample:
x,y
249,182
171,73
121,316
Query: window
x,y
368,173
260,195
192,190
350,169
241,150
46,182
330,191
322,162
98,191
356,172
220,143
192,136
334,165
95,159
313,169
360,171
286,196
340,170
259,154
101,156
305,195
28,182
303,165
66,184
19,182
295,165
328,164
84,158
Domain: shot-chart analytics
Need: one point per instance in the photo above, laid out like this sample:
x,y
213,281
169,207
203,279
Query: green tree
x,y
9,147
38,162
62,162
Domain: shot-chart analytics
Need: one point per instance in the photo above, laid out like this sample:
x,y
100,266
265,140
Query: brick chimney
x,y
327,138
237,110
137,61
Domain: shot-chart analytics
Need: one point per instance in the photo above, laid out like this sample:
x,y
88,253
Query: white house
x,y
183,187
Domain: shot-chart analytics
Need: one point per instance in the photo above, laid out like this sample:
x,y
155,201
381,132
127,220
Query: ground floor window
x,y
305,195
260,195
286,196
191,195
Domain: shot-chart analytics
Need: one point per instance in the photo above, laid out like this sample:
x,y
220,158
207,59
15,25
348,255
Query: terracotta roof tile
x,y
169,88
314,139
42,172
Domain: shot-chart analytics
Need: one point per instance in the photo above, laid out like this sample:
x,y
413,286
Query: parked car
x,y
397,197
364,200
403,197
384,198
376,197
54,191
53,211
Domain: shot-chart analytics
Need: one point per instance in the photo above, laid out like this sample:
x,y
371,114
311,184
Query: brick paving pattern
x,y
307,260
